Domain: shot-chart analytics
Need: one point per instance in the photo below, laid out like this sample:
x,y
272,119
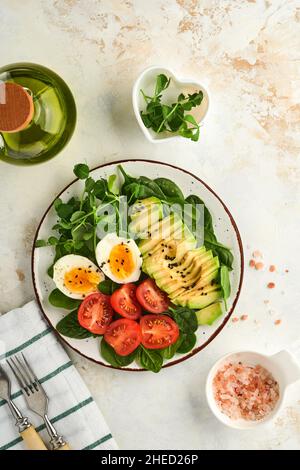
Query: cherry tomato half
x,y
158,331
95,313
125,303
123,335
151,297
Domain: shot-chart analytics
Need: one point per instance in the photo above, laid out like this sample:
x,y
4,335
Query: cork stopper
x,y
16,107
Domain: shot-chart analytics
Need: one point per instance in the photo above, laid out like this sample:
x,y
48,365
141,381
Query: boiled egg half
x,y
76,276
119,258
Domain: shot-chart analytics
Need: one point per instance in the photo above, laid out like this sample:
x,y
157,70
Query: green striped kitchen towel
x,y
71,408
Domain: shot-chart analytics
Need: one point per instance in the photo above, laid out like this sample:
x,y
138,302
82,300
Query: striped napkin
x,y
71,409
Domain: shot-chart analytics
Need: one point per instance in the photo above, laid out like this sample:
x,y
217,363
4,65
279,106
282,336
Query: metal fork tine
x,y
33,378
17,373
23,370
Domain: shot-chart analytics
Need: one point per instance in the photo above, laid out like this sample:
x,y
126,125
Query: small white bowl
x,y
146,82
282,365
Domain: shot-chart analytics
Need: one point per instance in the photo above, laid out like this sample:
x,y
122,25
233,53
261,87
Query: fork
x,y
36,398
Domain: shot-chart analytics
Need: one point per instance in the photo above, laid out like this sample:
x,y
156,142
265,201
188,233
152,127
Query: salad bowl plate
x,y
224,226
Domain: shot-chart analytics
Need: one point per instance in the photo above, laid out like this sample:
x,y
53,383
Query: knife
x,y
25,428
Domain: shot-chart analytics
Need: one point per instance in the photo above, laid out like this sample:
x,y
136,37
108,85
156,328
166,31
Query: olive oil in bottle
x,y
37,113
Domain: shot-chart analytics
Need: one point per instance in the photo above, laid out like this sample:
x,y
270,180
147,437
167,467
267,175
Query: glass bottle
x,y
37,113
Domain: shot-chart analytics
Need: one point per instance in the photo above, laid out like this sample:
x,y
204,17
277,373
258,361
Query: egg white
x,y
103,251
66,264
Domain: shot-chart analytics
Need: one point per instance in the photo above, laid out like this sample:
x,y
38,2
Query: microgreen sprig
x,y
171,118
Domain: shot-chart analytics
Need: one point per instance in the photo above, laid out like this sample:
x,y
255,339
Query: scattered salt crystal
x,y
259,266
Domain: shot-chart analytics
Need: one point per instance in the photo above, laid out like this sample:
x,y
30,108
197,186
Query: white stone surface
x,y
247,54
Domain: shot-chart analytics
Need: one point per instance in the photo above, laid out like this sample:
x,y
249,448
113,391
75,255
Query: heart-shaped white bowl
x,y
146,82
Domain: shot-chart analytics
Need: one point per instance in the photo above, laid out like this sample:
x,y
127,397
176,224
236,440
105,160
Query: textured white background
x,y
247,54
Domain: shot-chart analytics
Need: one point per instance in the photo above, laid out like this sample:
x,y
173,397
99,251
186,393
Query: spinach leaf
x,y
69,326
81,170
225,283
224,254
195,200
150,359
107,287
60,300
185,318
170,351
169,188
114,359
188,341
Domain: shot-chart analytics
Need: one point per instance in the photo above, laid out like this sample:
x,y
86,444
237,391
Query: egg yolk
x,y
121,261
82,280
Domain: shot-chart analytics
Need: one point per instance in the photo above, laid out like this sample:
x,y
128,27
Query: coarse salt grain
x,y
259,266
244,391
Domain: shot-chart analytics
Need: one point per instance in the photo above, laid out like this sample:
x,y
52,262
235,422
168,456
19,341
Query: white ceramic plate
x,y
225,228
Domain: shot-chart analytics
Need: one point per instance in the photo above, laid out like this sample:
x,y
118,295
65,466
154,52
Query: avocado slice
x,y
142,223
204,281
199,300
142,206
208,315
160,231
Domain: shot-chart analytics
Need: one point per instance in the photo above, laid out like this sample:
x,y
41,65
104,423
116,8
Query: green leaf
x,y
189,118
100,189
169,188
112,184
57,203
107,286
114,359
69,326
53,241
40,243
65,211
170,351
225,283
150,359
185,318
60,300
50,271
224,254
89,184
77,215
162,82
188,342
195,200
81,170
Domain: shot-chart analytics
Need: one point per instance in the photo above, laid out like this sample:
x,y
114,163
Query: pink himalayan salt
x,y
244,391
